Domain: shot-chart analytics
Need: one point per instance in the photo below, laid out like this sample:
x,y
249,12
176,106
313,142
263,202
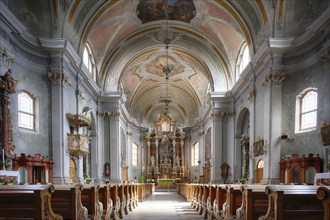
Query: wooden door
x,y
260,171
73,170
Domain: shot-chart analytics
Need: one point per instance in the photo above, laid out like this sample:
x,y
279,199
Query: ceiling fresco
x,y
152,10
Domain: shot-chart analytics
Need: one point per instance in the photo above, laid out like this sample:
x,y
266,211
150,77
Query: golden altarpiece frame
x,y
165,149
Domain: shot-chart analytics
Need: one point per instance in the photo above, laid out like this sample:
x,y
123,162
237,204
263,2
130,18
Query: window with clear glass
x,y
88,59
306,109
195,154
26,114
309,110
134,155
242,60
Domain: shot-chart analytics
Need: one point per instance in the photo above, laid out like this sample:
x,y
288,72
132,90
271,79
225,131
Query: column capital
x,y
230,115
58,79
274,78
218,114
252,95
112,115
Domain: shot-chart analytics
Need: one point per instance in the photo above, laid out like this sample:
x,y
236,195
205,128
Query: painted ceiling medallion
x,y
153,68
156,66
153,10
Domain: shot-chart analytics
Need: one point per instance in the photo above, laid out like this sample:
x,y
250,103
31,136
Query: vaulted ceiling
x,y
127,40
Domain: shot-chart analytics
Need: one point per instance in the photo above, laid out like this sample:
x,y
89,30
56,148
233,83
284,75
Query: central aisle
x,y
163,206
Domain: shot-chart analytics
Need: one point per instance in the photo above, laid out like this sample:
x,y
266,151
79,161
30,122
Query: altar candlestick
x,y
3,156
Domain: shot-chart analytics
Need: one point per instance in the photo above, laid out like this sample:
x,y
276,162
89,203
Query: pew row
x,y
105,199
145,190
27,202
233,201
115,201
215,212
254,202
185,190
66,200
90,199
294,202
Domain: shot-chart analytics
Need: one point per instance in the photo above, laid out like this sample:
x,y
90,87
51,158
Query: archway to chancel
x,y
242,159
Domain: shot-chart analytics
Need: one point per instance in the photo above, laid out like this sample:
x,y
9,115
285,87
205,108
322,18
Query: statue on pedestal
x,y
152,161
177,160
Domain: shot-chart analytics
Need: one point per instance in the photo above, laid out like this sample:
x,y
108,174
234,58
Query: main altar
x,y
165,150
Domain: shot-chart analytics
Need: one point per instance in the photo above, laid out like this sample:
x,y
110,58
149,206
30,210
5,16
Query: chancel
x,y
219,109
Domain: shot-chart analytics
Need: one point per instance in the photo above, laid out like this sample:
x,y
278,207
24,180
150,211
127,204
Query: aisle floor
x,y
163,206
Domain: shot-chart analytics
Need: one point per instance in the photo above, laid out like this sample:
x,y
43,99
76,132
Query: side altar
x,y
165,150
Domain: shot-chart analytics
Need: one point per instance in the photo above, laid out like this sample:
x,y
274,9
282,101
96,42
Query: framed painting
x,y
325,134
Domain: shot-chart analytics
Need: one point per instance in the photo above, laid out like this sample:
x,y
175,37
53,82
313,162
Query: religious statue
x,y
177,160
107,169
225,172
7,83
152,161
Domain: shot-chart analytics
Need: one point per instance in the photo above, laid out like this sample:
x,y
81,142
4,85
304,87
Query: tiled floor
x,y
163,206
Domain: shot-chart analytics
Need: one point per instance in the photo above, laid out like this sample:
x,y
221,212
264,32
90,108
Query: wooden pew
x,y
198,204
220,199
136,194
145,190
206,190
194,189
233,201
128,198
105,198
115,201
323,194
254,202
184,189
132,195
27,202
294,202
210,201
122,198
66,200
90,199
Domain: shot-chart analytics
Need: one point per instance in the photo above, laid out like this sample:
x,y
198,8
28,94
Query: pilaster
x,y
272,123
231,144
217,146
60,153
115,154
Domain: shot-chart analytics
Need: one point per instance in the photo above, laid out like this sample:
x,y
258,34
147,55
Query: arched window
x,y
195,154
242,60
89,61
134,154
26,111
306,110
